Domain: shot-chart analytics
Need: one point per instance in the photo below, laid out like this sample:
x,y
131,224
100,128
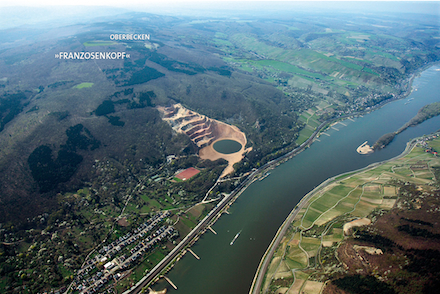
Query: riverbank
x,y
176,274
262,268
300,216
364,148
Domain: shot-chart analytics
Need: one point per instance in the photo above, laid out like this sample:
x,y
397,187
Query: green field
x,y
310,119
349,197
323,66
99,43
435,145
83,85
287,67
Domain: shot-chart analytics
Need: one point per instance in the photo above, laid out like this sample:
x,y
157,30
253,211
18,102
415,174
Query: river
x,y
264,205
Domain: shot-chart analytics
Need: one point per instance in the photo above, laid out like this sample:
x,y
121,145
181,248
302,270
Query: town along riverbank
x,y
264,205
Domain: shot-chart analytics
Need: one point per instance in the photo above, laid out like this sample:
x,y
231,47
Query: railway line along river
x,y
228,263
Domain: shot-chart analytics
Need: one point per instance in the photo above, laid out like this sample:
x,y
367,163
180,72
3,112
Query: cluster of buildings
x,y
113,259
424,143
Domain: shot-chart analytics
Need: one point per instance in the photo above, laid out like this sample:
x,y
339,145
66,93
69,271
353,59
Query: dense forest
x,y
425,113
261,76
49,172
10,106
82,142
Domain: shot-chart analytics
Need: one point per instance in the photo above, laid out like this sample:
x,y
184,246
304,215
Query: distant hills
x,y
264,75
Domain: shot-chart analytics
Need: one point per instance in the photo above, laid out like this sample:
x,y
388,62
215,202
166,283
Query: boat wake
x,y
235,238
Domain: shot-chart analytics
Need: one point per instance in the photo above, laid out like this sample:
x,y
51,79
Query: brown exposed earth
x,y
204,132
356,223
187,174
151,291
123,222
364,148
401,248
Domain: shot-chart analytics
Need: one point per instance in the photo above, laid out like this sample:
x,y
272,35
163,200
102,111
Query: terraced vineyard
x,y
307,256
86,156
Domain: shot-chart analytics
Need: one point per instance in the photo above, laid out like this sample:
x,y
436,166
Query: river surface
x,y
262,207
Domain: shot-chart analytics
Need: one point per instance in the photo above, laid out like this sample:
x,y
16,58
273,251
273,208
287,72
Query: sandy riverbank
x,y
151,291
365,148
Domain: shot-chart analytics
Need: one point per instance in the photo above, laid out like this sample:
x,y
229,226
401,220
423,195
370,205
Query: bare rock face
x,y
204,132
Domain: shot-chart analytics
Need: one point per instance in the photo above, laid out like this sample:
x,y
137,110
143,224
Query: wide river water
x,y
264,205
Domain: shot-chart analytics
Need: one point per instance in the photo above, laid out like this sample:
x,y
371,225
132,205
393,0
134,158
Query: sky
x,y
122,3
190,6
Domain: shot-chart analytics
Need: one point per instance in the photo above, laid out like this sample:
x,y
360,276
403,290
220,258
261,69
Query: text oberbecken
x,y
130,37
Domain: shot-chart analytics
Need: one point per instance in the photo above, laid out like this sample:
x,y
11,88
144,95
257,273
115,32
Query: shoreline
x,y
364,148
267,256
216,213
210,153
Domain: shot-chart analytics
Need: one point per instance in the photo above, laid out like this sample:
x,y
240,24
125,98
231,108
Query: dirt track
x,y
204,132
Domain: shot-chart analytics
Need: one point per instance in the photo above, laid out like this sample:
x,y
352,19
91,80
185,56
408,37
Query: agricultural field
x,y
83,85
335,211
321,71
86,157
99,43
311,120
